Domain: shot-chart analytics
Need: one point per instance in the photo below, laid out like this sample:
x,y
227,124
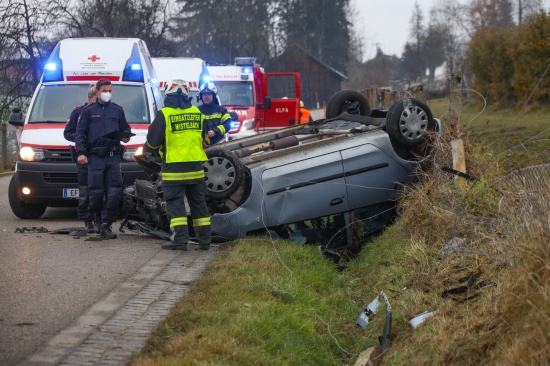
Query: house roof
x,y
325,65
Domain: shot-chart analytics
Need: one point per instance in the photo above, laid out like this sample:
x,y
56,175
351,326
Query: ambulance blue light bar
x,y
245,61
133,70
53,69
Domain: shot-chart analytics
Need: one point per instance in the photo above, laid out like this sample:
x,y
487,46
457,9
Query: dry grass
x,y
278,303
502,224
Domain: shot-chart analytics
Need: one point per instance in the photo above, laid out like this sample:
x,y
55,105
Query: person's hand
x,y
211,133
125,139
146,148
82,159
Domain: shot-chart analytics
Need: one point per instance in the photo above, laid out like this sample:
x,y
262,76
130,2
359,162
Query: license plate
x,y
70,192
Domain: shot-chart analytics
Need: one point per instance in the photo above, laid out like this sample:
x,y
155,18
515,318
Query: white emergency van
x,y
191,69
45,172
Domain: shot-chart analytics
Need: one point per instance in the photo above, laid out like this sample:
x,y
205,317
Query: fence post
x,y
457,145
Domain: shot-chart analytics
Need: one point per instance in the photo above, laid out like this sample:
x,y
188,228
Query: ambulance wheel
x,y
349,101
408,121
21,209
223,172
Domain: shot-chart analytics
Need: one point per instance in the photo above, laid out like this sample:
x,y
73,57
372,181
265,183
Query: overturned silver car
x,y
310,181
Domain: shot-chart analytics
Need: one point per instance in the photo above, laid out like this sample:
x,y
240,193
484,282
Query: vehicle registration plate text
x,y
70,192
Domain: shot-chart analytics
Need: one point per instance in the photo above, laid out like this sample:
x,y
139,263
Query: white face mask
x,y
105,97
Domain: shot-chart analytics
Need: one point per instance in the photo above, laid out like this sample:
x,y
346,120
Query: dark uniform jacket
x,y
217,119
96,121
70,129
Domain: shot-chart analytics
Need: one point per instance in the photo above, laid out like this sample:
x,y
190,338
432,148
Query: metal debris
x,y
34,229
371,309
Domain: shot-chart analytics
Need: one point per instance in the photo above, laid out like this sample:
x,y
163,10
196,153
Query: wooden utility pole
x,y
457,145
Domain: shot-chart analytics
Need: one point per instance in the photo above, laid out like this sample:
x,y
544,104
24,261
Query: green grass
x,y
518,138
279,303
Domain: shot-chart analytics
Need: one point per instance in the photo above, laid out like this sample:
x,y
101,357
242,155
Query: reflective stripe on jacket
x,y
305,116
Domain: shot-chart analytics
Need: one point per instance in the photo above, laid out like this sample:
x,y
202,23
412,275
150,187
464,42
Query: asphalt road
x,y
48,280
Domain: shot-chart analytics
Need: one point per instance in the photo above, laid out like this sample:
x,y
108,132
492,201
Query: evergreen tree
x,y
219,31
321,27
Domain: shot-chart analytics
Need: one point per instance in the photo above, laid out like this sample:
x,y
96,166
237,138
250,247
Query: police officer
x,y
178,131
69,133
102,154
216,118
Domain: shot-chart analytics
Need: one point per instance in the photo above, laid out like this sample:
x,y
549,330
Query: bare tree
x,y
145,19
527,7
453,19
28,30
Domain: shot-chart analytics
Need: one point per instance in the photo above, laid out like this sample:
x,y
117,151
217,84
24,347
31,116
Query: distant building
x,y
318,81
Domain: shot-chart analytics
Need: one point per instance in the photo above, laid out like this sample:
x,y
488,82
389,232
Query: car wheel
x,y
223,172
349,101
21,209
408,121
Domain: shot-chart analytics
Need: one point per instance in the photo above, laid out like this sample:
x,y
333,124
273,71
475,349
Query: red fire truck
x,y
262,101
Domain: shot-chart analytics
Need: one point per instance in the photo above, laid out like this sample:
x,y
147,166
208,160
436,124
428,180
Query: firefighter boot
x,y
105,232
178,240
204,236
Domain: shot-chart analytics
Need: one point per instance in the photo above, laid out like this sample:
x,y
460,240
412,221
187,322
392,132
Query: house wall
x,y
314,76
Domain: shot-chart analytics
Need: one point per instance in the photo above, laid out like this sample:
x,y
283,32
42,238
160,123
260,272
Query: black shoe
x,y
105,232
89,226
204,246
174,246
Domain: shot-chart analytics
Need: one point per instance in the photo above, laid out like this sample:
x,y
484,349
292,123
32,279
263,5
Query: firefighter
x,y
102,154
83,210
305,115
216,118
177,132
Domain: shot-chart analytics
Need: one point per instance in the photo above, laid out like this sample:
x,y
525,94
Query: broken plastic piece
x,y
420,318
371,308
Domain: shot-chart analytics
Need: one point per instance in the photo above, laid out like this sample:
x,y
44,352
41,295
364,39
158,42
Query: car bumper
x,y
46,181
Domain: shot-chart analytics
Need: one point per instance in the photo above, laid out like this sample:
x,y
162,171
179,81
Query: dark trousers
x,y
195,193
105,186
83,209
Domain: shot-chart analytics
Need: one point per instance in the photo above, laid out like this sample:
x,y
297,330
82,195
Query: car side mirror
x,y
16,117
234,116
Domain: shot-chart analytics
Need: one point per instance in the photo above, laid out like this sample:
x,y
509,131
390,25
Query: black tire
x,y
21,209
224,173
349,101
408,122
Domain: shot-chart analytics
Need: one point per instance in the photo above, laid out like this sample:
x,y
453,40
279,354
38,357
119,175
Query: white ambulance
x,y
45,169
191,69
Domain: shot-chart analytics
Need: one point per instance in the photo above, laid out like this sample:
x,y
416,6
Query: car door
x,y
305,189
371,175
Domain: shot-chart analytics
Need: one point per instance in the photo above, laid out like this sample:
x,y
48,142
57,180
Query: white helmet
x,y
301,104
208,87
177,86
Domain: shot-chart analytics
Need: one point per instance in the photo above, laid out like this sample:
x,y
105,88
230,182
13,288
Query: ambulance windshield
x,y
54,103
237,93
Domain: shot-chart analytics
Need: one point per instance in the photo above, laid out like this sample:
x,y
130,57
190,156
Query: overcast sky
x,y
387,23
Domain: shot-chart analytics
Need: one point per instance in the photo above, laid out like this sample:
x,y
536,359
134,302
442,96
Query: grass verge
x,y
477,255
